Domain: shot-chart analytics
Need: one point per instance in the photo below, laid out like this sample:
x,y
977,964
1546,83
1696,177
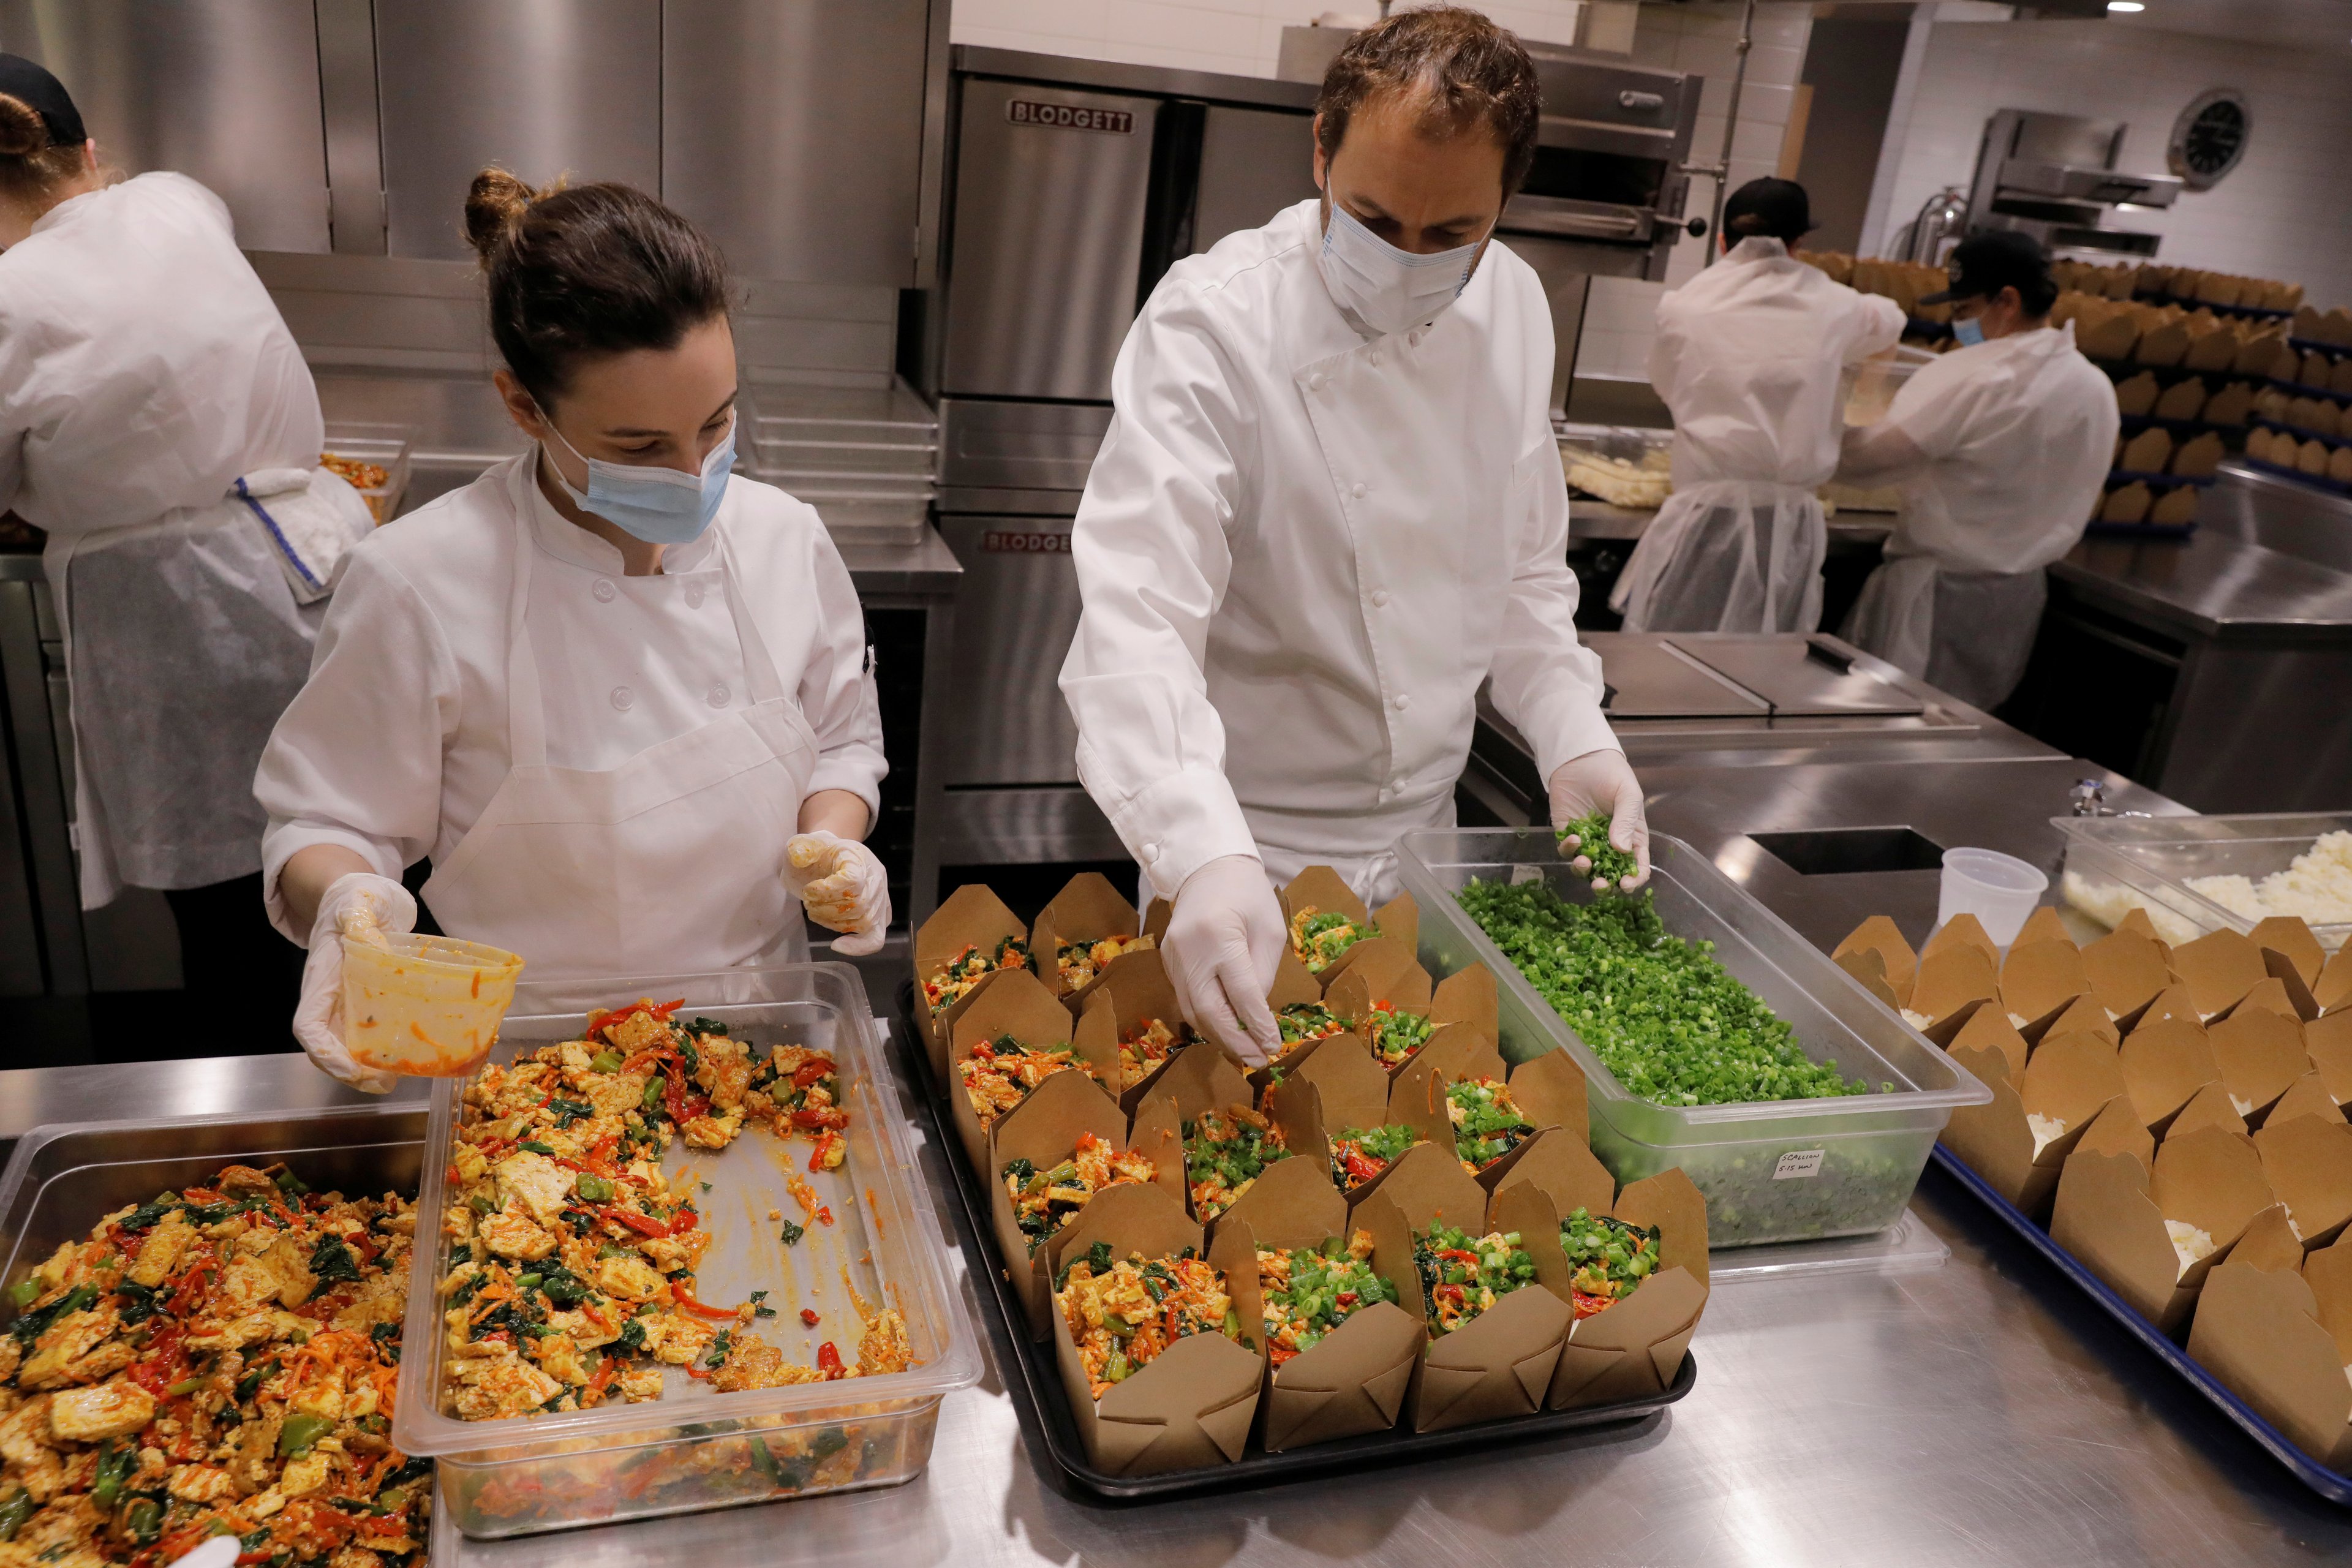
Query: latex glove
x,y
220,1552
1602,781
1225,938
844,888
359,905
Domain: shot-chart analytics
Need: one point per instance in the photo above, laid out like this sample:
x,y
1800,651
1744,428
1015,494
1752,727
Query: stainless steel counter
x,y
2213,587
1965,1416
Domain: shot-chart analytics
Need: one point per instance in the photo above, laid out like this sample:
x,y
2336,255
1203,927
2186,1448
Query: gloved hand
x,y
1602,781
844,888
1223,942
220,1552
359,905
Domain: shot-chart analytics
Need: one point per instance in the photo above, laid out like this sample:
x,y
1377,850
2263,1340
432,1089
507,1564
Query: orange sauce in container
x,y
428,1006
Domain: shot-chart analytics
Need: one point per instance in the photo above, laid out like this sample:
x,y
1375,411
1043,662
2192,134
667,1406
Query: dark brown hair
x,y
582,271
1467,71
31,166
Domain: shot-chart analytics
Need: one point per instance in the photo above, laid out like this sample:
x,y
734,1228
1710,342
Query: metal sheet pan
x,y
1035,1384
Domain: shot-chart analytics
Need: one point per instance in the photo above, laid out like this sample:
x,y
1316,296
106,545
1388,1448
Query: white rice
x,y
2318,886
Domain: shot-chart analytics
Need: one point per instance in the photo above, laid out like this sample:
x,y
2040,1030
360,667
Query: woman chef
x,y
2001,447
619,698
157,420
1749,357
1329,506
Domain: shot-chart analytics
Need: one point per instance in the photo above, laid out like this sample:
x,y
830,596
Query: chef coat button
x,y
624,699
603,590
1379,598
1315,381
694,596
1403,701
1359,491
1151,853
717,695
1376,358
1413,337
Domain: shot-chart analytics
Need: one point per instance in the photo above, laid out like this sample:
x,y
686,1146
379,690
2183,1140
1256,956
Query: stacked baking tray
x,y
867,459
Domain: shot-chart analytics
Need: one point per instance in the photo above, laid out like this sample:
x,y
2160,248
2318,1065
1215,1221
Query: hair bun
x,y
494,206
23,132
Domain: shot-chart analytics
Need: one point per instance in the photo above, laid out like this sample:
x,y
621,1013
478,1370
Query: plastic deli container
x,y
694,1448
2114,863
1773,1170
428,1005
385,446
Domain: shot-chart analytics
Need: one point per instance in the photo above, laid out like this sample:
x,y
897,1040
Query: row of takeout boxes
x,y
1201,1401
2174,1116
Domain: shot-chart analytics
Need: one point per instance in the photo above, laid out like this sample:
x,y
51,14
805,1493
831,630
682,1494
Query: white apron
x,y
183,644
1965,633
669,864
1697,568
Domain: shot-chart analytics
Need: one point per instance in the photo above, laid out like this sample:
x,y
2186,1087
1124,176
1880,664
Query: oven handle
x,y
1580,225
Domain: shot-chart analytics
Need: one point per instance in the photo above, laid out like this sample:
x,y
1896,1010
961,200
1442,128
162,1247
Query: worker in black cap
x,y
2001,447
1749,357
158,422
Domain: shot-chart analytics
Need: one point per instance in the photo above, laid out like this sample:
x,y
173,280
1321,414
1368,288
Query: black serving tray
x,y
2333,1485
1040,1402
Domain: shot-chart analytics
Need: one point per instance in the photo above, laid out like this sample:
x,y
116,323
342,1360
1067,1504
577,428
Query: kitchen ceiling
x,y
2292,24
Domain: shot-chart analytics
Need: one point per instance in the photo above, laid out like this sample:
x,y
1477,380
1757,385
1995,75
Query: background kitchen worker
x,y
2001,447
1328,507
1749,357
620,699
157,420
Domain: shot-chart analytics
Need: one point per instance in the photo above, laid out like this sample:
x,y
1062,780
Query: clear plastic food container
x,y
386,447
2114,863
694,1448
1867,389
1772,1171
866,457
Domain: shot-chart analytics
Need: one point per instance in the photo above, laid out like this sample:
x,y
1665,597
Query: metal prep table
x,y
1968,1416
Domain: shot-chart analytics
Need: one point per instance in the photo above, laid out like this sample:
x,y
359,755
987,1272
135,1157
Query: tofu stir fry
x,y
1308,1292
218,1361
1360,1153
1462,1276
1044,1201
1123,1314
1152,1043
1000,1073
1321,937
1488,1122
968,969
1607,1259
1225,1152
572,1258
1080,961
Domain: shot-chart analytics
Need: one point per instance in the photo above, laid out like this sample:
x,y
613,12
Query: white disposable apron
x,y
183,644
1968,634
668,864
1728,555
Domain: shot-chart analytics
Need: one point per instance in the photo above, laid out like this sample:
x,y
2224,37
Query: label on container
x,y
1070,117
1798,1165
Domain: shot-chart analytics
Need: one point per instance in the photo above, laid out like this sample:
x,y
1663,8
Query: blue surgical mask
x,y
1386,289
660,506
1971,331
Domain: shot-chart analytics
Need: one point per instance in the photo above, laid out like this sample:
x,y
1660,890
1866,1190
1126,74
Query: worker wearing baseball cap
x,y
2000,448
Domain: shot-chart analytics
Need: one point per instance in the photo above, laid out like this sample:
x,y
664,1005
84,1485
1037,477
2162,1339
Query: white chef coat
x,y
2016,437
401,737
1749,357
1301,551
143,368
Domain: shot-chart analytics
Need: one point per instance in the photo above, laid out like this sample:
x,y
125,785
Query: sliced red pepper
x,y
812,1072
658,1011
684,1293
829,1361
643,1225
607,1371
808,1316
820,1120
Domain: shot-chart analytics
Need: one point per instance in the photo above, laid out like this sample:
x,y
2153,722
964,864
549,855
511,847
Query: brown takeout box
x,y
2279,1336
1636,1347
1193,1405
2307,1161
1297,1113
1017,1005
1044,1130
1898,967
1398,922
2219,969
1501,1363
1951,980
972,915
1088,909
1133,991
2040,979
1354,1380
2111,1211
2164,1066
2071,1078
2261,1053
2126,970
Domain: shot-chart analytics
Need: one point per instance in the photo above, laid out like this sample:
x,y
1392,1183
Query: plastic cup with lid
x,y
1999,889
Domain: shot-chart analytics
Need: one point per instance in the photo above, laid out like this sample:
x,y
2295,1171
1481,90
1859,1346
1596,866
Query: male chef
x,y
1329,505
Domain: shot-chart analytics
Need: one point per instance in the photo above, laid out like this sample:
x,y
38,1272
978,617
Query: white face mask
x,y
1388,289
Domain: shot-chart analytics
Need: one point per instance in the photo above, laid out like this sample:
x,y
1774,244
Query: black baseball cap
x,y
47,96
1775,207
1984,264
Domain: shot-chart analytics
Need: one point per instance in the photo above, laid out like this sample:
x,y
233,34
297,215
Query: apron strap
x,y
526,706
761,679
